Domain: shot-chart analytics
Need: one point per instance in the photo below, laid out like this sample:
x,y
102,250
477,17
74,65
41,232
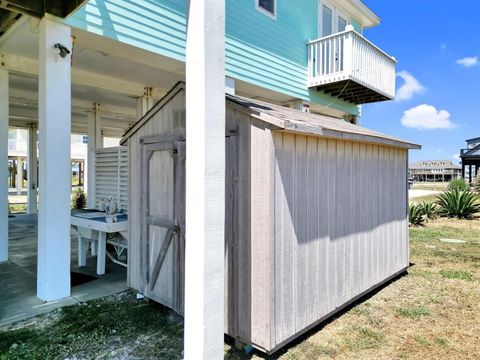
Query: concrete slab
x,y
18,299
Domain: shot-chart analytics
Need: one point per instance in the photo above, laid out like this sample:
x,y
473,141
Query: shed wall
x,y
170,117
339,226
311,223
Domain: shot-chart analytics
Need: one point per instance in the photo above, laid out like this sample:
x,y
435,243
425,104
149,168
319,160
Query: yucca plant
x,y
415,215
458,204
429,210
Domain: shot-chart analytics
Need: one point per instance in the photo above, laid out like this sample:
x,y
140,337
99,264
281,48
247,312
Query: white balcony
x,y
348,66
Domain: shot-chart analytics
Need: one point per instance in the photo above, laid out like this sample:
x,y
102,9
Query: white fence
x,y
111,176
349,56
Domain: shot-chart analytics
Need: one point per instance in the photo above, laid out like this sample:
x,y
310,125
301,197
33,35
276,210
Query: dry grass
x,y
433,313
439,186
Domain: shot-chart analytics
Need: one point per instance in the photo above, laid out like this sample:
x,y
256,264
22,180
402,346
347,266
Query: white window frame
x,y
266,12
336,12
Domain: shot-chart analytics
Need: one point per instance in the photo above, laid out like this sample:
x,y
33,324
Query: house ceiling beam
x,y
81,107
26,66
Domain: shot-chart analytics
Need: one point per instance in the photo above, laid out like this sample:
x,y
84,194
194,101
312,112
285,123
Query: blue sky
x,y
437,45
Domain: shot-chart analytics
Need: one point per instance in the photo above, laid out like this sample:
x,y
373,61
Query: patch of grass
x,y
365,338
422,341
441,341
413,313
85,331
17,208
309,350
456,274
360,310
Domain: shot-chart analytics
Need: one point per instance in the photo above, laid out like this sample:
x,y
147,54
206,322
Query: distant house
x,y
434,170
470,159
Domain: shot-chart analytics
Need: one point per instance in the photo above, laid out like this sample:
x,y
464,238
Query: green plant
x,y
476,184
458,204
415,215
429,210
79,200
456,274
458,184
413,313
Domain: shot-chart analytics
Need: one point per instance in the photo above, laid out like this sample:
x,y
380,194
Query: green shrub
x,y
415,215
476,184
458,184
79,200
429,210
458,204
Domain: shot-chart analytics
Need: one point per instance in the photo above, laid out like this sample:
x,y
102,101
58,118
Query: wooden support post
x,y
145,102
470,174
4,173
205,182
54,120
32,171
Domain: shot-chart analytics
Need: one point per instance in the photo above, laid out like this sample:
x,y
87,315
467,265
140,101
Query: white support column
x,y
95,141
205,183
4,168
32,182
19,175
54,111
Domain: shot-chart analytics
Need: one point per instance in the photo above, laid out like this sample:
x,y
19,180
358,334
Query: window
x,y
267,6
327,21
333,20
342,24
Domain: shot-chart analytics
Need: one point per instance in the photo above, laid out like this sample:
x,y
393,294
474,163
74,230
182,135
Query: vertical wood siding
x,y
311,223
340,225
169,118
270,53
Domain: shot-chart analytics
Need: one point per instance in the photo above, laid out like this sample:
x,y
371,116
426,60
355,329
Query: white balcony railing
x,y
349,56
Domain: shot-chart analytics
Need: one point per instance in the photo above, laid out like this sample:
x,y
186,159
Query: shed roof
x,y
289,120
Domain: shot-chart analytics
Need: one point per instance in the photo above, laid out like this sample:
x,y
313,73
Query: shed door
x,y
163,199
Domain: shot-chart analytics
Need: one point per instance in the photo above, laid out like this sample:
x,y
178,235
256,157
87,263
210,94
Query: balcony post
x,y
348,51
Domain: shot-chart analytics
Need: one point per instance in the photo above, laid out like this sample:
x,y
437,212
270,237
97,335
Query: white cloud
x,y
443,46
456,157
410,86
468,61
427,117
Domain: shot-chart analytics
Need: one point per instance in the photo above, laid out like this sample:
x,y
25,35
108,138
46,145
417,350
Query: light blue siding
x,y
270,53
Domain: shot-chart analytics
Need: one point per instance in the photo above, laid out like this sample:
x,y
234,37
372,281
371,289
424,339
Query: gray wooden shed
x,y
316,214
